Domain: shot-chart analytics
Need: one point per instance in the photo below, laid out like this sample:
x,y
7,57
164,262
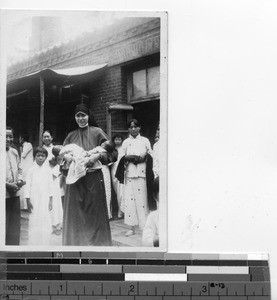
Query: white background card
x,y
222,130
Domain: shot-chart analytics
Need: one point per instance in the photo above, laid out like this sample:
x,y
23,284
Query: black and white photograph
x,y
85,128
143,128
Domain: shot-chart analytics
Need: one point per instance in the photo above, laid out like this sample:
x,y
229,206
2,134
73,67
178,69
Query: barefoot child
x,y
39,194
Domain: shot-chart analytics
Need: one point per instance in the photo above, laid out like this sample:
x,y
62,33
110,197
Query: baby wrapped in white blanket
x,y
77,161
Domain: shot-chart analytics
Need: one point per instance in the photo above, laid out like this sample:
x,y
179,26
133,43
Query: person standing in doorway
x,y
13,184
135,148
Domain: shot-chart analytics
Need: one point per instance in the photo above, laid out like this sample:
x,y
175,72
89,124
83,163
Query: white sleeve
x,y
50,183
27,189
148,147
156,160
28,147
124,147
56,171
19,168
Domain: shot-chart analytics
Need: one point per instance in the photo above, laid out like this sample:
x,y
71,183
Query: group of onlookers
x,y
35,184
68,189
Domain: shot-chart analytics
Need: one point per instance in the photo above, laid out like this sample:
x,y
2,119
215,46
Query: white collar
x,y
51,145
137,137
86,126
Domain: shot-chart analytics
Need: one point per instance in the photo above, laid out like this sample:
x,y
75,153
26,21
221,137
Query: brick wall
x,y
107,89
111,88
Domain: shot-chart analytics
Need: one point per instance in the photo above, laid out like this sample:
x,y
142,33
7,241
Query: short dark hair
x,y
38,150
109,146
117,136
56,150
10,128
49,131
135,121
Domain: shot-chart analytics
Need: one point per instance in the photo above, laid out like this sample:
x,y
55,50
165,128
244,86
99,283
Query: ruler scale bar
x,y
131,262
141,288
136,276
87,268
106,274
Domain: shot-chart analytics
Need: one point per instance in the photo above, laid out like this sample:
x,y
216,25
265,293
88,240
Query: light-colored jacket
x,y
13,169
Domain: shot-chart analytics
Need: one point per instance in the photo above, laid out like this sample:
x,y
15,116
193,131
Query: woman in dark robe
x,y
86,219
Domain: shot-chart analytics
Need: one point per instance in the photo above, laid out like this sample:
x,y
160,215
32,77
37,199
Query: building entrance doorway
x,y
148,114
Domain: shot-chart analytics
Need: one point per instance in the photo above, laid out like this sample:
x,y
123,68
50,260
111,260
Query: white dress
x,y
39,187
151,229
58,192
107,183
57,209
135,189
27,161
156,159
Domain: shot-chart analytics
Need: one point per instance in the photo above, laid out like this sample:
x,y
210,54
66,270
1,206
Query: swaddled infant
x,y
76,160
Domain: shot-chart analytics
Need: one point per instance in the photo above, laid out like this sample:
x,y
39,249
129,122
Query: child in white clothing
x,y
39,197
150,234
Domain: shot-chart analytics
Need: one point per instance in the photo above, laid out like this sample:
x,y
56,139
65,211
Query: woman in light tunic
x,y
135,149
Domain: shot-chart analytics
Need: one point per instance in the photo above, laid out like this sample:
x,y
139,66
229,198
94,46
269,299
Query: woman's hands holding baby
x,y
92,159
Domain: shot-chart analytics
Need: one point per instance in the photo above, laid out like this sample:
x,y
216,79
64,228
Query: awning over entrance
x,y
47,78
78,70
58,75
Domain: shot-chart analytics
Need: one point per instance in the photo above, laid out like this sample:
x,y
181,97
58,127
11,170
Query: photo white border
x,y
163,210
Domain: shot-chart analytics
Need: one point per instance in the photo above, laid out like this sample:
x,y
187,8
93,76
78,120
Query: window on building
x,y
144,84
139,84
73,93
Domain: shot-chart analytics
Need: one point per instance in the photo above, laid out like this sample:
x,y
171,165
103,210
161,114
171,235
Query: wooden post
x,y
109,121
41,120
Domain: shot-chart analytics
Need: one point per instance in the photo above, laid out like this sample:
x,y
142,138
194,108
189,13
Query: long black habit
x,y
86,219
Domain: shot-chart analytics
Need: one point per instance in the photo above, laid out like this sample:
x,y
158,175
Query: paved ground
x,y
118,229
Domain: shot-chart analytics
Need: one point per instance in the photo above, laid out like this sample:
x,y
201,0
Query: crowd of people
x,y
68,189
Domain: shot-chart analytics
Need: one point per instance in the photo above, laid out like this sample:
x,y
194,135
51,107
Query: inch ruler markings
x,y
134,276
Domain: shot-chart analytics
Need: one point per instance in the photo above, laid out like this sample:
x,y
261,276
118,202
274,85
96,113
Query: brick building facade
x,y
129,86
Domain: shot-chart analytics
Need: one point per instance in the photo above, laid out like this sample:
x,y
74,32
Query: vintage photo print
x,y
84,130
